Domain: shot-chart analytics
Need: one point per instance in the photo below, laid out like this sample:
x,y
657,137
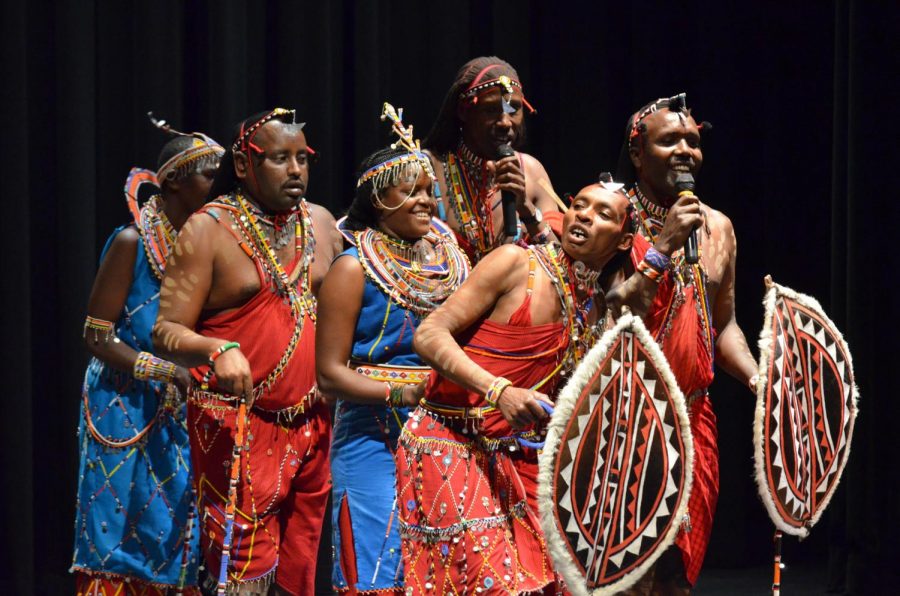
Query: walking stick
x,y
231,506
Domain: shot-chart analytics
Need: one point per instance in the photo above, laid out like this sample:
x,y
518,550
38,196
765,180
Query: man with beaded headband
x,y
134,526
401,266
689,308
482,112
238,305
499,346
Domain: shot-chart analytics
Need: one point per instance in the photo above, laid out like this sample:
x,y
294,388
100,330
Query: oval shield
x,y
615,471
805,409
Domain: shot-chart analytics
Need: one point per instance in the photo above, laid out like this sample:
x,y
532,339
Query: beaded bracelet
x,y
204,384
656,259
543,235
98,326
395,395
496,388
649,272
148,367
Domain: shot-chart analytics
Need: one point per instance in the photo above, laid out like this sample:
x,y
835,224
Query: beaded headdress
x,y
505,83
244,140
400,167
676,104
203,153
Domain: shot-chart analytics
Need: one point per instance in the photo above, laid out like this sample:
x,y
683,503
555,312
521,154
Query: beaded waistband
x,y
409,375
475,441
449,411
220,402
434,534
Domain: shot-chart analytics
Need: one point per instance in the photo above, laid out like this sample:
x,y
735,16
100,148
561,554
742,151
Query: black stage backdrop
x,y
797,93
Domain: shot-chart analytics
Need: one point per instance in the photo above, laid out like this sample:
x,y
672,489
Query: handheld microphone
x,y
510,219
684,185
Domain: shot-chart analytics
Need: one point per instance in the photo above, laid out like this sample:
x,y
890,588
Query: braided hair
x,y
444,135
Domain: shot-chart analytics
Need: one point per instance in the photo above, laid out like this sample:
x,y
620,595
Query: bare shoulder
x,y
126,238
320,214
505,262
532,165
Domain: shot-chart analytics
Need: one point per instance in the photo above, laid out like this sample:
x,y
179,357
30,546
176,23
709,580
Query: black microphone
x,y
684,185
510,219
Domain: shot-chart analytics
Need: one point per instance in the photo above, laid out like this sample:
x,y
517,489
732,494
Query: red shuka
x,y
284,478
683,337
468,504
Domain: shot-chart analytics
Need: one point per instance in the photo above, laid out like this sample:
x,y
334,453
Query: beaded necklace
x,y
301,299
559,267
158,234
398,268
471,189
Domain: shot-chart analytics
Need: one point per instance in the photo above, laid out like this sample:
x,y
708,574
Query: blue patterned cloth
x,y
362,460
134,501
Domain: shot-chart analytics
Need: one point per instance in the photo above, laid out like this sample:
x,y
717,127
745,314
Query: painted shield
x,y
615,472
805,409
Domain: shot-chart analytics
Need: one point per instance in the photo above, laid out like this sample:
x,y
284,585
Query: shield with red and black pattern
x,y
615,472
805,409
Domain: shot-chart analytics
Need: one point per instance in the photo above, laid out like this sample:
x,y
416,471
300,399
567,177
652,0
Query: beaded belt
x,y
220,402
409,375
690,399
435,534
449,411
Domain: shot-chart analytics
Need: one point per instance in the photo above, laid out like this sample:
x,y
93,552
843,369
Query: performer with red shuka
x,y
482,112
238,304
466,487
689,307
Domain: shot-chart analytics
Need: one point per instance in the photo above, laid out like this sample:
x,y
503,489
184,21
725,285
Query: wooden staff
x,y
776,577
231,506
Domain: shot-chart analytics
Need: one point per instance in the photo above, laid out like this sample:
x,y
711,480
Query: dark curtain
x,y
800,159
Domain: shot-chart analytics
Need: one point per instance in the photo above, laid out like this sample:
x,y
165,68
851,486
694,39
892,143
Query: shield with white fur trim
x,y
615,472
805,409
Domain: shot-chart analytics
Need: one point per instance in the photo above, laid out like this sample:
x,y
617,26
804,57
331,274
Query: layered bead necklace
x,y
158,234
418,276
257,246
567,277
472,189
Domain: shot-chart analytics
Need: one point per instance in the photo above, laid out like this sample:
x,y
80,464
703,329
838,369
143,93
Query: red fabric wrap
x,y
445,476
685,348
285,473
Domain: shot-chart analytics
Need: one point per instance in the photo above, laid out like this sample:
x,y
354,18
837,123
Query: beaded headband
x,y
245,138
203,153
394,170
506,84
676,103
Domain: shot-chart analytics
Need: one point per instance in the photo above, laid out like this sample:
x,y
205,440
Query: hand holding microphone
x,y
682,221
508,198
684,186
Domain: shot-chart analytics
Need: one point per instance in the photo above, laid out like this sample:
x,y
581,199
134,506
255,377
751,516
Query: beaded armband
x,y
496,388
204,384
98,326
148,367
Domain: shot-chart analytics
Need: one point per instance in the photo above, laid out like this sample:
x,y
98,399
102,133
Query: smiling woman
x,y
401,266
